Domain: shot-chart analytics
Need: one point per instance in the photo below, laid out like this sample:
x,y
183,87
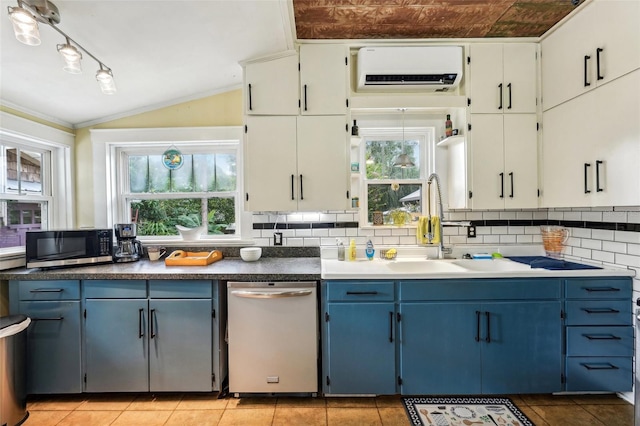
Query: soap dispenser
x,y
340,250
352,250
369,251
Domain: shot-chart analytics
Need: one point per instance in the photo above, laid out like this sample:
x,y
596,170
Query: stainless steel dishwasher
x,y
273,337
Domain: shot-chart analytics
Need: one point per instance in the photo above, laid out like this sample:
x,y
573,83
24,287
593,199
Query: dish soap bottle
x,y
369,251
352,250
340,250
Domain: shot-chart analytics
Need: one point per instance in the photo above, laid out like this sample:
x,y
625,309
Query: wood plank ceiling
x,y
430,19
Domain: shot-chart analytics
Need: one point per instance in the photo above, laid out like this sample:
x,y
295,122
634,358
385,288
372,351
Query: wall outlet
x,y
277,238
471,232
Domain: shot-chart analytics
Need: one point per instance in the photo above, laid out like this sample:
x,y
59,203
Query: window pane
x,y
159,217
16,218
203,172
182,178
380,155
382,197
23,171
225,172
158,175
138,173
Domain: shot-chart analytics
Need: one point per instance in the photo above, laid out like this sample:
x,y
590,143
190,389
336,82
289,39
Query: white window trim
x,y
106,144
25,132
426,136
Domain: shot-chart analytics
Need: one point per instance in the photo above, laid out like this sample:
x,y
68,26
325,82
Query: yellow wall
x,y
35,119
224,109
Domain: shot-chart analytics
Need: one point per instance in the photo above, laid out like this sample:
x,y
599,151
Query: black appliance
x,y
50,249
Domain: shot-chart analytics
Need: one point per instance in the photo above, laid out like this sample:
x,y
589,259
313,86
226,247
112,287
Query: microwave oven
x,y
49,249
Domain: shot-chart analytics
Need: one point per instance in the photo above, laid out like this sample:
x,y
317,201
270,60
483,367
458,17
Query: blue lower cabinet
x,y
602,374
180,341
522,347
439,353
480,348
360,348
53,346
116,346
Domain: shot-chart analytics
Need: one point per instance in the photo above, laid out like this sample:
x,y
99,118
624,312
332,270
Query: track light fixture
x,y
25,18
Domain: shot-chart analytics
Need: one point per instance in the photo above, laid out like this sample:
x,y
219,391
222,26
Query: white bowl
x,y
250,254
190,234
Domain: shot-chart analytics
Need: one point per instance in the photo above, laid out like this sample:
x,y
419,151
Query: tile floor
x,y
206,409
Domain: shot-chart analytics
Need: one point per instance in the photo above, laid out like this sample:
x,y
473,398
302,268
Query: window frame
x,y
426,139
109,144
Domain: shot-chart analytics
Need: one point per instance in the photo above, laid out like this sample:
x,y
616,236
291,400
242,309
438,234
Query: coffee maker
x,y
128,249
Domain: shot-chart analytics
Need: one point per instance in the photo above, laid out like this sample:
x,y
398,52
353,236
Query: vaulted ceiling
x,y
416,19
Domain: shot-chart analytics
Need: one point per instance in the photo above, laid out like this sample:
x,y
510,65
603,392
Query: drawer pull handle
x,y
591,289
602,337
361,293
605,366
47,290
601,311
47,319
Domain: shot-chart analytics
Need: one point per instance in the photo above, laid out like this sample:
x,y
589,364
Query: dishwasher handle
x,y
253,294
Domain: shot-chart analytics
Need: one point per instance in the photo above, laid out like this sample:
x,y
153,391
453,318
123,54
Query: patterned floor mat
x,y
464,411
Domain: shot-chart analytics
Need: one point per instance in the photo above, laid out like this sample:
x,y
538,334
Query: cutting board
x,y
188,258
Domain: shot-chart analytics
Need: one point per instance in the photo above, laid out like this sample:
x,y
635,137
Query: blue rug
x,y
464,411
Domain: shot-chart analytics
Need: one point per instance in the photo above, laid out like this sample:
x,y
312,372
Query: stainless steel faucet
x,y
443,250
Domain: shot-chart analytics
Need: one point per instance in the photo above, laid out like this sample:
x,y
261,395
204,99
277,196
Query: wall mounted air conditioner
x,y
409,68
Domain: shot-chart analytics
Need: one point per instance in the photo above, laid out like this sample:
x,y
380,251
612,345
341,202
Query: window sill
x,y
202,242
369,226
13,257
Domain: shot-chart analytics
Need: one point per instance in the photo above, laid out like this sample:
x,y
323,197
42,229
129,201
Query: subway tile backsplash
x,y
609,235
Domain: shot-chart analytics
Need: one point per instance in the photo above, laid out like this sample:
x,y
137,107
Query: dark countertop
x,y
265,269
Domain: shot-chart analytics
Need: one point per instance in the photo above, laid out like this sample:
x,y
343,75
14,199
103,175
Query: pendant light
x,y
403,161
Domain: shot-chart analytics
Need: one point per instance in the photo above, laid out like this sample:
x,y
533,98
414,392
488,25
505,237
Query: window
x,y
395,193
35,182
204,191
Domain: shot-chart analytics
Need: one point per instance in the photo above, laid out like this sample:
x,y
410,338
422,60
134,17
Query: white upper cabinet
x,y
591,148
323,79
503,78
596,46
504,161
271,86
296,163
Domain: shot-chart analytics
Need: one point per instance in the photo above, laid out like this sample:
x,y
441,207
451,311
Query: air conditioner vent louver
x,y
407,68
410,79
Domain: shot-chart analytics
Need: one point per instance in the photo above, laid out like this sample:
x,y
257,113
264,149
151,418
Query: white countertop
x,y
414,264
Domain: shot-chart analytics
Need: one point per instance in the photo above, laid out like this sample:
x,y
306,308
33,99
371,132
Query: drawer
x,y
49,290
366,291
604,374
480,289
114,289
180,289
599,288
600,341
599,312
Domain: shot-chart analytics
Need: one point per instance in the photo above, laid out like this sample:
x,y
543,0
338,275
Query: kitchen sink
x,y
491,265
422,265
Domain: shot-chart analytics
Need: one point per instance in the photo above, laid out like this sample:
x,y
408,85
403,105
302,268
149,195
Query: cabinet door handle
x,y
250,104
601,337
301,192
586,178
488,316
509,87
500,93
501,185
47,319
361,293
601,311
477,326
598,189
511,178
46,290
598,50
305,97
605,366
152,317
390,327
592,289
293,196
586,75
140,320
